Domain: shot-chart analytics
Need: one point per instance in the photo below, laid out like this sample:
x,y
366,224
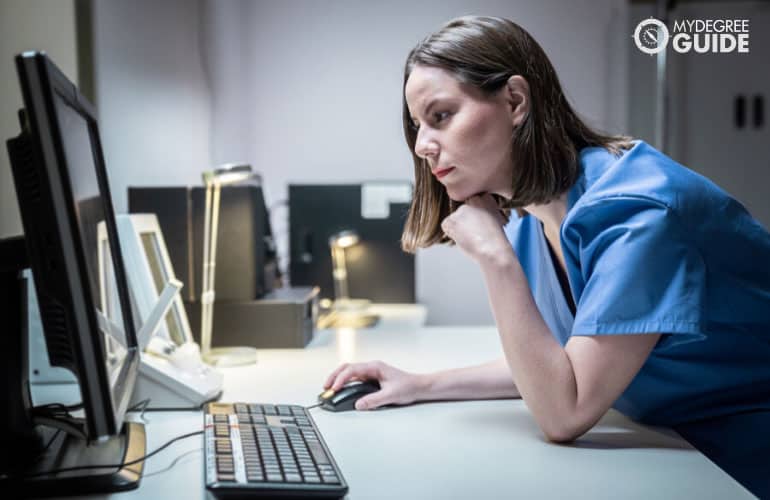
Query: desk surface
x,y
473,449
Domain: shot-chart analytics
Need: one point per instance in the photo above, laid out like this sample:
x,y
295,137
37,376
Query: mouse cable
x,y
114,466
313,406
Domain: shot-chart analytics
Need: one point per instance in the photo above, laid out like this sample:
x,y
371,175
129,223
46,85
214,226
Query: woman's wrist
x,y
423,386
498,259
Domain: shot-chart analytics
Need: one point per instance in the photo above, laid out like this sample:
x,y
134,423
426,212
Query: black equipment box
x,y
284,318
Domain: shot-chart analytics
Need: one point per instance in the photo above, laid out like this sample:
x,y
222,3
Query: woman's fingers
x,y
330,378
397,386
374,400
361,371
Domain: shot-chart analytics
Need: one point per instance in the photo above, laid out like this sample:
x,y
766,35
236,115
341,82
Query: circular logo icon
x,y
651,36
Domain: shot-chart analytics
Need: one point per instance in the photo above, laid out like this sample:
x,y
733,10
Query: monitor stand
x,y
68,450
30,446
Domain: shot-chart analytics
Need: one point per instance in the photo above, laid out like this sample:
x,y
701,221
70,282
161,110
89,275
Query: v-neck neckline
x,y
555,283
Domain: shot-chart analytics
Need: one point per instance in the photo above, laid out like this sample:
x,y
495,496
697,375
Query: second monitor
x,y
377,268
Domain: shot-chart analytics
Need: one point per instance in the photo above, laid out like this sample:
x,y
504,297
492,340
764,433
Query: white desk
x,y
476,449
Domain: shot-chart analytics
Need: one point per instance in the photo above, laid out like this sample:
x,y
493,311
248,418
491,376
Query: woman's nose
x,y
426,147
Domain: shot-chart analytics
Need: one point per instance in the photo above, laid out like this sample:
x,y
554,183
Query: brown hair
x,y
485,52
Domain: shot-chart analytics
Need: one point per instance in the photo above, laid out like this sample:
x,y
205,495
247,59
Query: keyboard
x,y
267,450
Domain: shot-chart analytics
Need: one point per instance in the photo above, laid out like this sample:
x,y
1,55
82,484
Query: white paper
x,y
376,198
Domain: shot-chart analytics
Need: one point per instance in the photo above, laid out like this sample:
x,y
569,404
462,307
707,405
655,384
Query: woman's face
x,y
464,136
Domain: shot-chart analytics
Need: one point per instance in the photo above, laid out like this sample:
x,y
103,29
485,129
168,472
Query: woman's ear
x,y
517,95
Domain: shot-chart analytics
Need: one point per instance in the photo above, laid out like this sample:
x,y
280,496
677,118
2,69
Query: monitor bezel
x,y
104,407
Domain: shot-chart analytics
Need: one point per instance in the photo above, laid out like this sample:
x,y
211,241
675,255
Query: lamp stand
x,y
347,312
221,356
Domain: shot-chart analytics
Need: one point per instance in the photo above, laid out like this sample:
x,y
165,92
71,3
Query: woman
x,y
622,279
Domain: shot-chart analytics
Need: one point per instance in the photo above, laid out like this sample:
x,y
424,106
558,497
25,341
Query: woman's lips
x,y
442,172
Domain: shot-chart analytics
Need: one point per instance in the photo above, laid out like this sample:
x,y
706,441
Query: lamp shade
x,y
230,173
344,239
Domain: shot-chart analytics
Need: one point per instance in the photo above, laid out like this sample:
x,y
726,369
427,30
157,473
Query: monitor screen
x,y
63,195
89,212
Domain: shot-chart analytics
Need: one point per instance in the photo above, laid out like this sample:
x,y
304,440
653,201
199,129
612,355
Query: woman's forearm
x,y
541,367
491,380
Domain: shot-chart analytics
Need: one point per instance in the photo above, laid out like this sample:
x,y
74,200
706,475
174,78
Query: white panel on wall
x,y
451,287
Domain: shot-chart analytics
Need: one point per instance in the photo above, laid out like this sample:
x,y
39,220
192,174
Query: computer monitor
x,y
377,268
63,194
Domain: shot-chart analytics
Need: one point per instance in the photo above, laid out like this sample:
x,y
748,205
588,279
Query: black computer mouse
x,y
345,399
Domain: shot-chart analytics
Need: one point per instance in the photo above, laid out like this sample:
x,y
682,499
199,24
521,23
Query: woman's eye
x,y
440,116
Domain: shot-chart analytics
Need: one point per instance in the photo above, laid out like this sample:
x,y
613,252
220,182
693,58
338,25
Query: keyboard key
x,y
278,478
330,478
318,453
293,478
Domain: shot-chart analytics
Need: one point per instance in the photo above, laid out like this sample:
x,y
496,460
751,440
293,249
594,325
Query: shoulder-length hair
x,y
485,52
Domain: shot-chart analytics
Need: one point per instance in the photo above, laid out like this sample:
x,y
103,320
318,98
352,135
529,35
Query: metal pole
x,y
661,86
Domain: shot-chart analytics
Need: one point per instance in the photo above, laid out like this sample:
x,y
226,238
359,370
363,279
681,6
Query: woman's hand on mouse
x,y
396,386
477,228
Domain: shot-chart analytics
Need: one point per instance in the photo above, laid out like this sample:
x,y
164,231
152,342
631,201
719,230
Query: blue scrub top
x,y
652,247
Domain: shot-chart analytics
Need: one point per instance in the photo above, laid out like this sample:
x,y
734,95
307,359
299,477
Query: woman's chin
x,y
457,195
461,197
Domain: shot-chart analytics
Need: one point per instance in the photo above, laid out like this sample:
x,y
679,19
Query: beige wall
x,y
28,25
